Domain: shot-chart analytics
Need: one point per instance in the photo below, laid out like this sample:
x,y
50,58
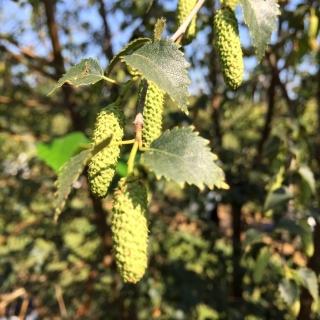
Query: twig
x,y
8,298
182,29
24,308
107,34
60,300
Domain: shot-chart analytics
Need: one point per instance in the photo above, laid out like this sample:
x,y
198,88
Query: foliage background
x,y
236,254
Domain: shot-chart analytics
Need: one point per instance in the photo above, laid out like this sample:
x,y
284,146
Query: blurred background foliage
x,y
251,252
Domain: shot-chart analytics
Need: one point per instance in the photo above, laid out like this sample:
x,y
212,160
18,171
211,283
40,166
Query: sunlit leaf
x,y
278,198
164,64
289,226
310,282
58,151
261,264
290,292
68,175
182,156
308,176
88,71
70,172
133,45
261,18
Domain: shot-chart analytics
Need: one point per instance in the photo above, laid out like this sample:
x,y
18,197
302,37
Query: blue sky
x,y
14,17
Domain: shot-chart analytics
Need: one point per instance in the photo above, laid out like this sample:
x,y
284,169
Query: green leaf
x,y
68,175
315,213
163,63
261,264
253,236
58,151
289,291
261,18
133,45
290,226
307,238
88,71
308,176
182,156
277,198
310,282
70,172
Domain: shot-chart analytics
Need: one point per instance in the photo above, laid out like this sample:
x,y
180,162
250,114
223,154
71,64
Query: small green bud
x,y
152,112
229,46
183,10
102,166
130,229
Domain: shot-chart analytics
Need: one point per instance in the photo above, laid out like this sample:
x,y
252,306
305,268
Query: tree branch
x,y
107,44
25,51
267,126
53,32
214,71
23,60
273,64
182,29
68,91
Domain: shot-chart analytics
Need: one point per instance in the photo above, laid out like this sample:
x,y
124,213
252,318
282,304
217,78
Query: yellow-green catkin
x,y
130,228
232,4
110,121
183,10
229,46
152,112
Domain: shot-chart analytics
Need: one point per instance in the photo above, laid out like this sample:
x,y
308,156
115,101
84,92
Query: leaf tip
x,y
224,186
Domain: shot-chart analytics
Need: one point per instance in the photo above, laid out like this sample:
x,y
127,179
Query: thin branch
x,y
213,76
68,91
31,103
107,34
25,51
53,32
59,297
182,29
273,64
267,126
23,60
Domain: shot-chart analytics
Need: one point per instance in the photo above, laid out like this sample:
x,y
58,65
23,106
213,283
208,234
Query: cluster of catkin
x,y
227,41
129,215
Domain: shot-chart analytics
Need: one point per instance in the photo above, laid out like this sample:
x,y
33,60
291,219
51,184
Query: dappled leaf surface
x,y
182,156
88,71
289,291
310,282
278,197
290,226
253,236
69,173
261,18
308,176
164,64
261,264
